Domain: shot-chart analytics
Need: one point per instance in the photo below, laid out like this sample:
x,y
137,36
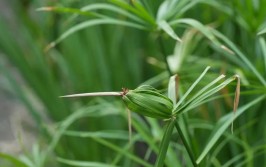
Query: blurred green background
x,y
108,57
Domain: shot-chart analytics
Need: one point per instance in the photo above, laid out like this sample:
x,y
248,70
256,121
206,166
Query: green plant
x,y
112,40
147,101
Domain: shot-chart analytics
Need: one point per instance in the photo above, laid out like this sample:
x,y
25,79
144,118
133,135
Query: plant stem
x,y
165,143
176,123
191,156
95,94
164,55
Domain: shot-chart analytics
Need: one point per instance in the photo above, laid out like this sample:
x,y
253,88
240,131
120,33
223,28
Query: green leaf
x,y
197,25
13,160
202,94
93,22
83,163
263,49
263,31
137,9
72,10
143,12
223,124
29,162
233,47
126,153
218,5
108,134
89,11
242,158
168,29
165,143
214,4
211,34
205,88
196,102
120,155
91,111
190,89
113,8
166,9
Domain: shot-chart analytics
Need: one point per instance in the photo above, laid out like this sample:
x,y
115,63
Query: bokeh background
x,y
108,57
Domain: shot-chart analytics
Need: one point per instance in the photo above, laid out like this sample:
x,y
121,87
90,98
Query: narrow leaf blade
x,y
168,29
223,124
83,163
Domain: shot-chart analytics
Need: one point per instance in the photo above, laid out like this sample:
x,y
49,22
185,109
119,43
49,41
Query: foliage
x,y
106,45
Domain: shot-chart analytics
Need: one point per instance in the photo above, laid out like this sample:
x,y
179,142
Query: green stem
x,y
176,123
165,143
190,153
164,55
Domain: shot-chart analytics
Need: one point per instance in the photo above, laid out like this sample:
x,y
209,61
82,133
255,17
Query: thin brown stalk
x,y
236,100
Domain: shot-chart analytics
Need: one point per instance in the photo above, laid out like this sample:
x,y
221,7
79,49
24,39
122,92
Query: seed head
x,y
147,101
